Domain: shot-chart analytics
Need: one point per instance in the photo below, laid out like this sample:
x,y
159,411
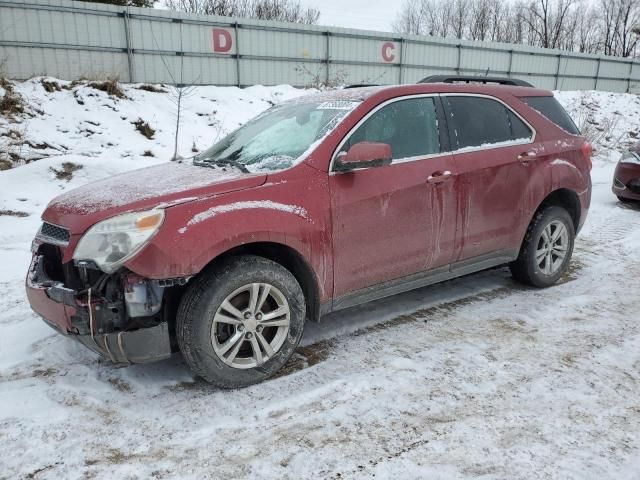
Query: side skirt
x,y
421,279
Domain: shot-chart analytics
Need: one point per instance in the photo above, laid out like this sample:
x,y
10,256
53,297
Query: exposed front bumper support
x,y
58,305
137,346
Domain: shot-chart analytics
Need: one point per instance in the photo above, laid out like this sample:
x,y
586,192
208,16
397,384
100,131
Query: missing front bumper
x,y
60,308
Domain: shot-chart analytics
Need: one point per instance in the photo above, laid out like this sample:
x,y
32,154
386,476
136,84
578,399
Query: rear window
x,y
481,121
551,108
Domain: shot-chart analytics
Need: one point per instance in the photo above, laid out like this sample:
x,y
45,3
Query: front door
x,y
394,221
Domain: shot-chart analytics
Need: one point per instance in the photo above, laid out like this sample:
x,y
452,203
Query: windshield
x,y
279,138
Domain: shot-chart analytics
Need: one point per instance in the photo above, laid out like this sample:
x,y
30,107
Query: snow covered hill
x,y
478,377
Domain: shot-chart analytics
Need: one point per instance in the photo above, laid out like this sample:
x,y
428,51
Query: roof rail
x,y
476,79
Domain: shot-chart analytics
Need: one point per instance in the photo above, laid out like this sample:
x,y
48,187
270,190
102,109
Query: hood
x,y
158,186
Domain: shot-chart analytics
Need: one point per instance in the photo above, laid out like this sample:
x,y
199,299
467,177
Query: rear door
x,y
394,221
494,152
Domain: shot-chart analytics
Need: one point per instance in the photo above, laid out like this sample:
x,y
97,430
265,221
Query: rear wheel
x,y
240,322
547,247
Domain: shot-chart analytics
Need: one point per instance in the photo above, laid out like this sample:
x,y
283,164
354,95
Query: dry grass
x,y
144,128
111,87
10,103
67,171
50,86
151,88
13,213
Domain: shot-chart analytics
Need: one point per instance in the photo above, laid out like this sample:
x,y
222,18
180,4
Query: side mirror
x,y
364,155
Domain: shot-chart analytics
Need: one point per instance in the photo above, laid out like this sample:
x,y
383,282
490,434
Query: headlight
x,y
112,242
630,157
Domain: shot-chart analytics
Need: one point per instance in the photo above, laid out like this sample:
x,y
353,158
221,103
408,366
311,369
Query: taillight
x,y
587,150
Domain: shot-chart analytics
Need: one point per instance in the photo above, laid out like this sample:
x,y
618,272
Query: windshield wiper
x,y
221,162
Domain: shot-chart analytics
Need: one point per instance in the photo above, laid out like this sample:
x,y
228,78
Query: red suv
x,y
626,179
318,204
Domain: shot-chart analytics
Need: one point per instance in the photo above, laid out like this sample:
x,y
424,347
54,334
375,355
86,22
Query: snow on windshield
x,y
281,137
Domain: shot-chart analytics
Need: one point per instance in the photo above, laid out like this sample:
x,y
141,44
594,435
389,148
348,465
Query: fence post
x,y
401,60
125,17
595,86
235,31
510,63
459,45
629,77
328,57
555,87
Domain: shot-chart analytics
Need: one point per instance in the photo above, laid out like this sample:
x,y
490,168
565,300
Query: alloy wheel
x,y
250,325
552,247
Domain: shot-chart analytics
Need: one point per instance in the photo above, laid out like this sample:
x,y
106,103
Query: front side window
x,y
279,138
481,122
409,126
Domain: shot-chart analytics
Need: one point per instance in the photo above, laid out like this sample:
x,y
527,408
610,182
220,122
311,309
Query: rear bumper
x,y
59,308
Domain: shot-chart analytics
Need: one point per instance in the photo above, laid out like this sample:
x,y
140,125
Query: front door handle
x,y
439,177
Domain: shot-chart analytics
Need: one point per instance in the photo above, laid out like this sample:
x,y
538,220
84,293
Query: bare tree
x,y
281,10
410,20
460,17
125,3
611,27
627,32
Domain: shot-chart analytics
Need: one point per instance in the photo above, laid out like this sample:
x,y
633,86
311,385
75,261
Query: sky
x,y
365,14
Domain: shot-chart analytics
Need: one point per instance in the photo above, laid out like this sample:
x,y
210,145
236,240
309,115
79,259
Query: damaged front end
x,y
121,316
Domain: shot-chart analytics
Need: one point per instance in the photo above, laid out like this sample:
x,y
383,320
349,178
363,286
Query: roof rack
x,y
468,79
360,85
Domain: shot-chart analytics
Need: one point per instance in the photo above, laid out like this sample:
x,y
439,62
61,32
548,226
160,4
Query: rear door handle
x,y
439,177
526,157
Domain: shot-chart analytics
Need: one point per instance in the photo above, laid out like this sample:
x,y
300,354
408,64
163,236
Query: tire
x,y
203,308
549,267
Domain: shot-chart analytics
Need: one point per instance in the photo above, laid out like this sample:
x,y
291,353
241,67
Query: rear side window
x,y
409,126
551,108
479,121
519,130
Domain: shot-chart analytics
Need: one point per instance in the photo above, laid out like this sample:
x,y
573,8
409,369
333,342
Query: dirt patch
x,y
5,164
148,153
67,171
120,385
572,272
43,373
111,87
440,309
144,128
35,473
305,357
13,213
115,456
382,459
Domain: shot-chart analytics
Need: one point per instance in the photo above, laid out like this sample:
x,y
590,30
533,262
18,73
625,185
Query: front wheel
x,y
546,249
240,322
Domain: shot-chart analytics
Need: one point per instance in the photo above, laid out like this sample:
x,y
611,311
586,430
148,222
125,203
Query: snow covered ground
x,y
474,378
